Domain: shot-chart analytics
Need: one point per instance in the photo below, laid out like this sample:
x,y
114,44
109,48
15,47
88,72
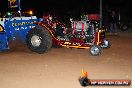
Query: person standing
x,y
113,23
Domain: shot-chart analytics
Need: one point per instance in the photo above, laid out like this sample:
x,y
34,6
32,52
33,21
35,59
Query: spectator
x,y
113,22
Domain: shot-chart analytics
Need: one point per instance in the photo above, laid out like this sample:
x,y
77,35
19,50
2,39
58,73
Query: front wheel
x,y
39,40
95,50
106,44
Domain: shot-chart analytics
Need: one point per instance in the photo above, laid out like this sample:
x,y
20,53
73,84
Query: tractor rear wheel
x,y
39,40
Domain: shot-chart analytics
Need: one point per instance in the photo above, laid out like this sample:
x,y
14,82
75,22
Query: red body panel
x,y
74,42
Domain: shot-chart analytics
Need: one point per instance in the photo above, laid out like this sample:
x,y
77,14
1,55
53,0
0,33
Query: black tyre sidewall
x,y
46,41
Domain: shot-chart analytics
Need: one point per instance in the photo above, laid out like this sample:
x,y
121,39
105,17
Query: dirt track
x,y
61,67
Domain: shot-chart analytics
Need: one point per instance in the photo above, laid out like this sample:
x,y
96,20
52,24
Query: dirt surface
x,y
61,67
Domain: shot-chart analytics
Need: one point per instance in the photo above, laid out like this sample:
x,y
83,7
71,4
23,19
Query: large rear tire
x,y
39,40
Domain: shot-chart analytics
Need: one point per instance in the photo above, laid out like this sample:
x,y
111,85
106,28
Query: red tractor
x,y
83,34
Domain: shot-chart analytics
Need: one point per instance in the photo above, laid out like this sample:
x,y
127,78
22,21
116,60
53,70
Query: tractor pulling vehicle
x,y
40,36
83,34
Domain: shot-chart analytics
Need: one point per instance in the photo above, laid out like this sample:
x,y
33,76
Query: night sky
x,y
69,7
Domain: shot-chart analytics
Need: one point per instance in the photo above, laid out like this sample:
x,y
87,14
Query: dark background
x,y
72,8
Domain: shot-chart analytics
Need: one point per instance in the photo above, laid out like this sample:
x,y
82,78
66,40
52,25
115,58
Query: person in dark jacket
x,y
113,22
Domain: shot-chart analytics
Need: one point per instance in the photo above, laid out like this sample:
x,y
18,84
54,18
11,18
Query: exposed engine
x,y
84,30
80,26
